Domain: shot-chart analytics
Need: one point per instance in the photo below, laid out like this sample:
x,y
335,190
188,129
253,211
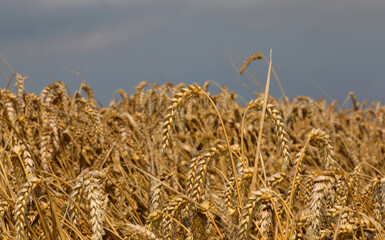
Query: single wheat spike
x,y
354,100
321,196
93,189
90,94
28,161
10,102
157,191
249,60
124,102
4,208
24,166
177,102
322,141
48,89
344,229
21,207
34,102
52,121
265,217
256,199
76,191
94,114
59,99
206,85
280,128
139,96
46,148
171,210
17,166
197,192
191,174
20,89
196,175
199,186
378,194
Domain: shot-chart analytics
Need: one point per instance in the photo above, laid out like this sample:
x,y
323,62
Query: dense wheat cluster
x,y
175,162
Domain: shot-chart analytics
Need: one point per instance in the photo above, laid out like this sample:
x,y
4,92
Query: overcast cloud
x,y
336,45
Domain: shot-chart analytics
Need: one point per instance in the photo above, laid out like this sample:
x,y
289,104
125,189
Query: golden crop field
x,y
176,162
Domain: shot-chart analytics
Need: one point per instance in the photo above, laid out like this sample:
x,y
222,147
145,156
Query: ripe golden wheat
x,y
176,162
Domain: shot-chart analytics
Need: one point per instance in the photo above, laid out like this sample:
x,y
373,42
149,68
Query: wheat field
x,y
176,162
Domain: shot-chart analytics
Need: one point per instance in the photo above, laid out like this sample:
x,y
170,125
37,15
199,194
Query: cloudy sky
x,y
320,48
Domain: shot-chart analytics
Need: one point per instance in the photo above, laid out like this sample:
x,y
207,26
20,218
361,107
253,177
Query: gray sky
x,y
336,44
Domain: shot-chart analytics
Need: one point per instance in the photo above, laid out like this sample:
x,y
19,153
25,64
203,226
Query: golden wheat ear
x,y
276,117
21,204
97,200
20,89
260,199
249,60
177,103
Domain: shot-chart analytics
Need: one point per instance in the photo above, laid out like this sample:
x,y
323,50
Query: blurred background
x,y
322,49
